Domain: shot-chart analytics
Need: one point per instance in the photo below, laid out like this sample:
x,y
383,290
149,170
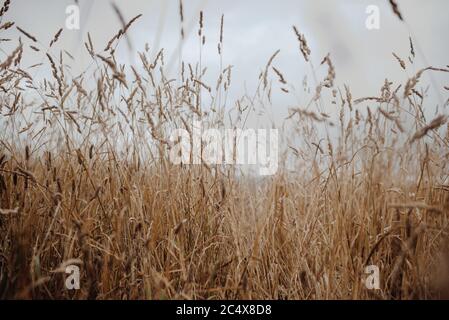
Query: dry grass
x,y
85,178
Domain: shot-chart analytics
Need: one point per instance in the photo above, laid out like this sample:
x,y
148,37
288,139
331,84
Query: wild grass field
x,y
86,180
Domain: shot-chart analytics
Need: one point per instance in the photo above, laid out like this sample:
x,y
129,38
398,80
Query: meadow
x,y
86,180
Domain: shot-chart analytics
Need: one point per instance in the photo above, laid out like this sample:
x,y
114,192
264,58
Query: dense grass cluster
x,y
85,179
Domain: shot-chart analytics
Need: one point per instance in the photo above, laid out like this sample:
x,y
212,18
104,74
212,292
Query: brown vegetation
x,y
85,179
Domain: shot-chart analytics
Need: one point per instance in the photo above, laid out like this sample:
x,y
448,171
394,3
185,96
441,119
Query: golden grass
x,y
86,179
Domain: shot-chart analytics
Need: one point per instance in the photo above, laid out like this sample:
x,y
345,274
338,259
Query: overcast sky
x,y
253,31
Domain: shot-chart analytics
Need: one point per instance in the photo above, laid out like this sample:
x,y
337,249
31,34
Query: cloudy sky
x,y
253,31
